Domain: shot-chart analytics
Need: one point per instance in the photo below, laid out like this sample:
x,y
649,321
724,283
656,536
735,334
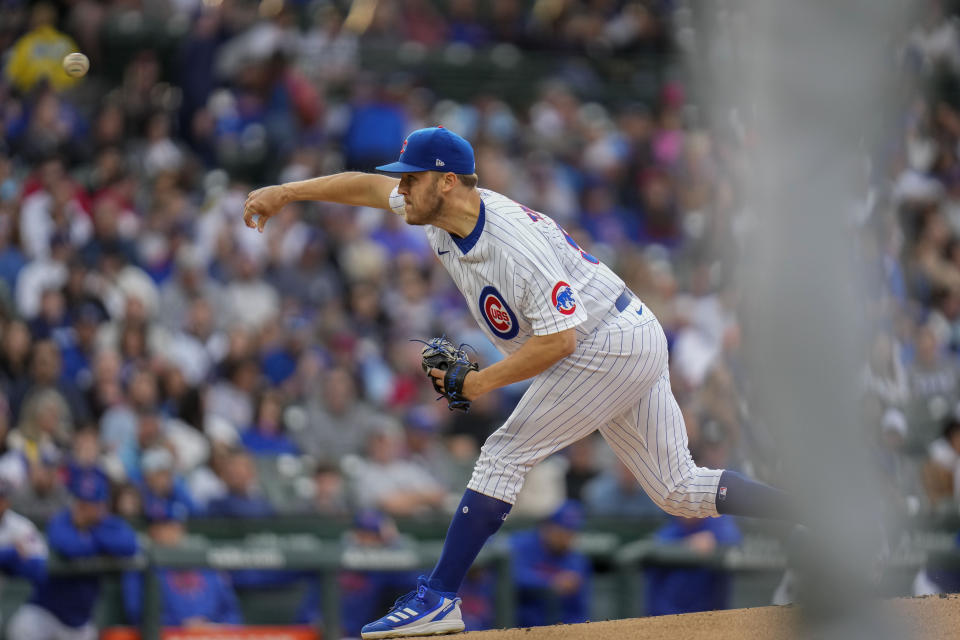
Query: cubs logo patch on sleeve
x,y
563,299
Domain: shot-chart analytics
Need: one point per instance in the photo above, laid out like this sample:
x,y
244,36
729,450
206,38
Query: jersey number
x,y
537,217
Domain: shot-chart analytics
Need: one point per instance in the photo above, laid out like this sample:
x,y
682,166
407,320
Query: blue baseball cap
x,y
433,149
421,419
89,485
569,516
369,520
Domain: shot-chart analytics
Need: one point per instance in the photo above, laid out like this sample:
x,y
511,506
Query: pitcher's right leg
x,y
651,440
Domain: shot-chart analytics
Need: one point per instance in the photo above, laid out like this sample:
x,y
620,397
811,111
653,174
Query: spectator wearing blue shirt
x,y
189,597
278,359
160,487
52,321
377,126
615,492
62,606
242,499
12,258
672,590
362,593
552,578
266,437
46,372
77,344
603,219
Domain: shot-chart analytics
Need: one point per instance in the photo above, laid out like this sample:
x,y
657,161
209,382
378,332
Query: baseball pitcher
x,y
597,356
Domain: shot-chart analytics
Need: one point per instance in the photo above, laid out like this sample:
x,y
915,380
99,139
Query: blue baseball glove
x,y
440,353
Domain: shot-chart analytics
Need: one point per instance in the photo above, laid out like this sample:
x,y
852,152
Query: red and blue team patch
x,y
499,317
562,298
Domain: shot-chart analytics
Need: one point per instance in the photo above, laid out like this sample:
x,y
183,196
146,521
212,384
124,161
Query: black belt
x,y
624,300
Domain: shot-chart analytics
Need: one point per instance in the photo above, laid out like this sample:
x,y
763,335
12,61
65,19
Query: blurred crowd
x,y
146,331
910,239
206,370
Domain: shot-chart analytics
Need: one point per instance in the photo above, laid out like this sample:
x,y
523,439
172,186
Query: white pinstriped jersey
x,y
522,274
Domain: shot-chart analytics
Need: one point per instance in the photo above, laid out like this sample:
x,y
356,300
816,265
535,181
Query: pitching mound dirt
x,y
932,617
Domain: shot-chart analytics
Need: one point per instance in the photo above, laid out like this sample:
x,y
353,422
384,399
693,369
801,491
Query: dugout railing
x,y
621,557
298,552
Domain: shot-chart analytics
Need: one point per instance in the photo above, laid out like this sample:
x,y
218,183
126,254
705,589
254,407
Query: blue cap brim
x,y
401,167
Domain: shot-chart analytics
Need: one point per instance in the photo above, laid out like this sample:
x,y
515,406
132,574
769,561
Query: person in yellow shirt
x,y
38,54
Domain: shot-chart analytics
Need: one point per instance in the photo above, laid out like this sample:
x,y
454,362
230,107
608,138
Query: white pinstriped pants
x,y
616,381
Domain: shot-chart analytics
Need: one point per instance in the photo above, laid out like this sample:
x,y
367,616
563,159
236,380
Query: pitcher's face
x,y
422,196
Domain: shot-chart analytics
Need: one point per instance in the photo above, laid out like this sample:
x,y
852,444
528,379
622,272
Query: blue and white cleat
x,y
424,612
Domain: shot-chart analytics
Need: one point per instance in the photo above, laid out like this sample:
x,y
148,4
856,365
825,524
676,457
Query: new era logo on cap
x,y
432,149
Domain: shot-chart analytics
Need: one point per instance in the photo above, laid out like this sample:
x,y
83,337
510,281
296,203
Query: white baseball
x,y
398,204
76,65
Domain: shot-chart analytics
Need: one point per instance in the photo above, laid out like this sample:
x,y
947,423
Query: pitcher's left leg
x,y
562,406
602,379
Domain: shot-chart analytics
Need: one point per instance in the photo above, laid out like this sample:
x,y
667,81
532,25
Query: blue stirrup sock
x,y
477,518
738,495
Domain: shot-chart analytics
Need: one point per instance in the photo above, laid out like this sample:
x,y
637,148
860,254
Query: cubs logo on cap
x,y
499,317
563,299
